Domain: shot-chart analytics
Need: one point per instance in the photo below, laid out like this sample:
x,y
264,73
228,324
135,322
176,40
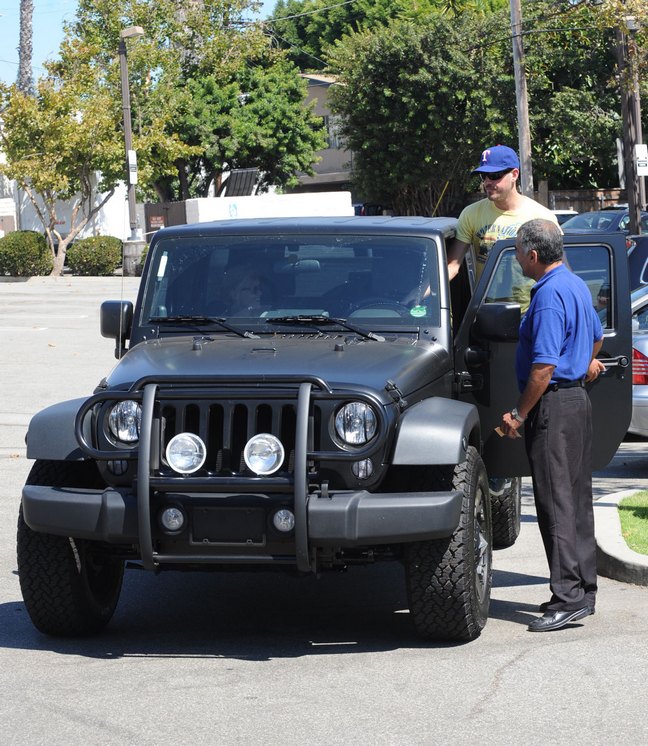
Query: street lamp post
x,y
132,32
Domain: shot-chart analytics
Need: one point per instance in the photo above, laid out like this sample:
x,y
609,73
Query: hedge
x,y
97,255
25,254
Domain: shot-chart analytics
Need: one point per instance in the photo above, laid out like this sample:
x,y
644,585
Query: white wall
x,y
111,220
269,206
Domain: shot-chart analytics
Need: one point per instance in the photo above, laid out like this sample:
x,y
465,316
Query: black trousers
x,y
558,434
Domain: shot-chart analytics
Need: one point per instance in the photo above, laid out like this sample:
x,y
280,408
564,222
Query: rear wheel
x,y
506,507
70,586
449,580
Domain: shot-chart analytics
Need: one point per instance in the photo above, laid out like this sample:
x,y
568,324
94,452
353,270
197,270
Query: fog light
x,y
362,469
264,454
186,453
284,520
172,519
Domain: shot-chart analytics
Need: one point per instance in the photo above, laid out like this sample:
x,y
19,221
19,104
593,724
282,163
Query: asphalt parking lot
x,y
255,658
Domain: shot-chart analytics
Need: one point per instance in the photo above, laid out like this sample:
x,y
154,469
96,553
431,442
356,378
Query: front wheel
x,y
449,580
70,586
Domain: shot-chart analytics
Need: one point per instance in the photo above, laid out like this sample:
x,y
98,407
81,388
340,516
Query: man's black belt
x,y
580,383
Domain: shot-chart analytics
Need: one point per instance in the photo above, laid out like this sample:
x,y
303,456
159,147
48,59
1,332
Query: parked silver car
x,y
639,422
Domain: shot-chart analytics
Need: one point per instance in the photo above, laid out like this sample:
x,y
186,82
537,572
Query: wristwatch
x,y
516,415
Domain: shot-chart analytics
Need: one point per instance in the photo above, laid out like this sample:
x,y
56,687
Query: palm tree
x,y
25,80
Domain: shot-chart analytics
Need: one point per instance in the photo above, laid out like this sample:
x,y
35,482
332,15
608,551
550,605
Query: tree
x,y
417,104
574,97
62,144
224,92
307,28
25,81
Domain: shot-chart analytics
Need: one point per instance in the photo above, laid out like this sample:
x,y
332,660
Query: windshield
x,y
372,279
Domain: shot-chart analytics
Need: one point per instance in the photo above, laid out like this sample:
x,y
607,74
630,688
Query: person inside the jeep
x,y
243,290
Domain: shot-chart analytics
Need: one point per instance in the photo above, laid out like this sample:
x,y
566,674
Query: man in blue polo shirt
x,y
560,336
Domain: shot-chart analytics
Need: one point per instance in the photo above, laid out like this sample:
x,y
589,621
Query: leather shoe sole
x,y
544,607
557,619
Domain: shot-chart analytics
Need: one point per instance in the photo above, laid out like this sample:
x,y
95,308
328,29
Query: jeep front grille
x,y
226,426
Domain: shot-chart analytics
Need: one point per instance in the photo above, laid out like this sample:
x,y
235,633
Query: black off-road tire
x,y
506,507
70,586
449,580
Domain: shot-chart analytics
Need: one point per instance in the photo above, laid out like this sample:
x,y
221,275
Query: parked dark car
x,y
605,221
638,260
563,215
343,414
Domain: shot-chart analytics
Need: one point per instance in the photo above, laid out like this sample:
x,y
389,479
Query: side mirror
x,y
499,322
116,319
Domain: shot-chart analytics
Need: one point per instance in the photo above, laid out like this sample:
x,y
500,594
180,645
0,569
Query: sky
x,y
49,16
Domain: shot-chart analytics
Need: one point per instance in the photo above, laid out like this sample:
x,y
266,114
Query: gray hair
x,y
544,237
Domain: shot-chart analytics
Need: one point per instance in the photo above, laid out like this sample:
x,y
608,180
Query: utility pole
x,y
524,135
631,115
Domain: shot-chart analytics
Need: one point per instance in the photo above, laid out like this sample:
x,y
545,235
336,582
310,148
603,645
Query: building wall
x,y
111,220
332,171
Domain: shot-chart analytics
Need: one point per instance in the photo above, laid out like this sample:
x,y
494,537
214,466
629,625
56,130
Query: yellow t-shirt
x,y
481,224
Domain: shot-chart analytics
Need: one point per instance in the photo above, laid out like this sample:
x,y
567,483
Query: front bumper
x,y
344,519
229,515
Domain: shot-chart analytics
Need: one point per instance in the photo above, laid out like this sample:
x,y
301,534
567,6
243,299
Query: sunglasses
x,y
496,176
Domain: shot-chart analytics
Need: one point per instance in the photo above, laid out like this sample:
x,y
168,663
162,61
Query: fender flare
x,y
50,435
436,431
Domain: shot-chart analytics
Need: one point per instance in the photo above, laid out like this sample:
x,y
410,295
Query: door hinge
x,y
466,381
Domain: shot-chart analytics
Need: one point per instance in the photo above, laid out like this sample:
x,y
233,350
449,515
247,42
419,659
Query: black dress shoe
x,y
545,607
557,619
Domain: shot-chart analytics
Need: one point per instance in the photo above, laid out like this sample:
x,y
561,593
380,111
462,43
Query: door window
x,y
590,263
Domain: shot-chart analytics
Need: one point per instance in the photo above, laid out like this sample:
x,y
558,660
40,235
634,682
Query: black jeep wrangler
x,y
305,394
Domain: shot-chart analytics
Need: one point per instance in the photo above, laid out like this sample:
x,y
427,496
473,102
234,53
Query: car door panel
x,y
489,363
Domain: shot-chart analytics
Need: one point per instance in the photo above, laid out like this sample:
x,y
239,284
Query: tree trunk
x,y
25,80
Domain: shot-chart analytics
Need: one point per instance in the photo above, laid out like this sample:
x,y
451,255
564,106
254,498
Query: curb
x,y
614,557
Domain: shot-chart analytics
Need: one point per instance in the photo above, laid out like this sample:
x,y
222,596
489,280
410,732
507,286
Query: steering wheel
x,y
379,302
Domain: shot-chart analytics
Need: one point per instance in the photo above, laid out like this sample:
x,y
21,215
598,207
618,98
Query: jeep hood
x,y
341,360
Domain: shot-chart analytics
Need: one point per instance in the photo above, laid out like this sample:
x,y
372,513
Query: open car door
x,y
486,342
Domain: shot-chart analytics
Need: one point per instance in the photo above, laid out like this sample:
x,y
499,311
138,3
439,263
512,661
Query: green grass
x,y
633,512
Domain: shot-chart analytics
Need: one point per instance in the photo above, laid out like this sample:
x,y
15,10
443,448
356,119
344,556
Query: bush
x,y
97,255
25,254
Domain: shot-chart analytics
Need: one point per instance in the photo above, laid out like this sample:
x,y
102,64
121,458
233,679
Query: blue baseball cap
x,y
497,158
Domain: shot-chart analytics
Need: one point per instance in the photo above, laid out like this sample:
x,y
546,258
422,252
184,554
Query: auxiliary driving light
x,y
264,454
172,519
284,520
186,453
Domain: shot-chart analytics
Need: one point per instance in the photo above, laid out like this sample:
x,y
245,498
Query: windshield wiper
x,y
202,321
325,320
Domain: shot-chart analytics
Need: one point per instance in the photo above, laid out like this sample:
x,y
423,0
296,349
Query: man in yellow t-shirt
x,y
497,216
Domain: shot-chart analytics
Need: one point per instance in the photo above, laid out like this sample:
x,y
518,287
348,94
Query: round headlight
x,y
186,453
125,420
263,454
355,423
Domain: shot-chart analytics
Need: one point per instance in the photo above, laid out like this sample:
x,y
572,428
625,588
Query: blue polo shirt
x,y
559,328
